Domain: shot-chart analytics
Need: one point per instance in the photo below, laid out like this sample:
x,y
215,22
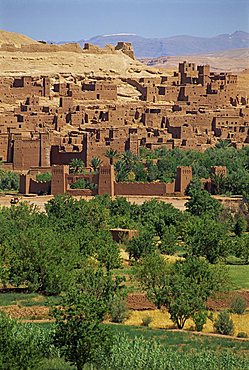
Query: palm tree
x,y
111,154
76,166
96,163
223,144
218,183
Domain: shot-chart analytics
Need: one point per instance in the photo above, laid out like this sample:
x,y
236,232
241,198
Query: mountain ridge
x,y
174,45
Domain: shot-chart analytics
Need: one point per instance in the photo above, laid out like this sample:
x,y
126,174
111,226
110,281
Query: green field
x,y
179,341
239,276
27,299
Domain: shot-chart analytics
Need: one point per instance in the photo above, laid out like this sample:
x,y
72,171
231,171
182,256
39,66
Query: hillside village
x,y
58,118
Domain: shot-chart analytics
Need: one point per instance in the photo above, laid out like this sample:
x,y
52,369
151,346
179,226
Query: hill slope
x,y
15,38
226,60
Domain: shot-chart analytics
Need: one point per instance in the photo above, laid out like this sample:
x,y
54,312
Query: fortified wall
x,y
105,183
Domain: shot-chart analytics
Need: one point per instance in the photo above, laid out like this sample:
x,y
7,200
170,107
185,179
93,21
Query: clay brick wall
x,y
119,235
30,186
135,188
81,192
64,157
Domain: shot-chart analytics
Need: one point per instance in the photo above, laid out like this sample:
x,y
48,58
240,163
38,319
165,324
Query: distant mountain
x,y
175,45
233,60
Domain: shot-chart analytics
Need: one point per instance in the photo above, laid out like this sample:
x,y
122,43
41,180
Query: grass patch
x,y
182,340
27,299
55,364
186,341
239,275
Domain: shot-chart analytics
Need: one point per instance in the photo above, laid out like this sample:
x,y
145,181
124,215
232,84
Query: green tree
x,y
224,324
169,238
111,154
83,184
202,203
76,166
208,238
218,183
153,273
9,180
223,144
141,245
79,333
194,186
96,163
240,226
125,166
241,248
191,283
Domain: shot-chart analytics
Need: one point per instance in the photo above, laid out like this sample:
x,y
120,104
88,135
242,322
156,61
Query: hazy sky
x,y
81,19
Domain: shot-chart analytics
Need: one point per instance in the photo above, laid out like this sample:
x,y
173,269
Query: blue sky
x,y
81,19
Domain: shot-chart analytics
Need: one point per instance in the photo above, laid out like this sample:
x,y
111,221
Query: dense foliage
x,y
44,251
83,184
9,180
22,346
160,164
183,287
78,333
68,250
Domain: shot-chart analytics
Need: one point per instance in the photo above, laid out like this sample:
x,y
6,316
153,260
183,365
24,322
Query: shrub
x,y
224,324
146,320
242,334
44,177
22,346
200,319
238,305
9,180
118,310
83,184
240,226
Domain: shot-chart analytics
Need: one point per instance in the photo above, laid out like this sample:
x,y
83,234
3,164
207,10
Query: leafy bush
x,y
238,305
22,346
240,226
242,334
224,324
83,184
118,310
44,177
9,180
146,320
200,319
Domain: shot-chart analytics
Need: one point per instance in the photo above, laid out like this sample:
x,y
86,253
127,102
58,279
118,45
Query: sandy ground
x,y
40,201
177,202
70,63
